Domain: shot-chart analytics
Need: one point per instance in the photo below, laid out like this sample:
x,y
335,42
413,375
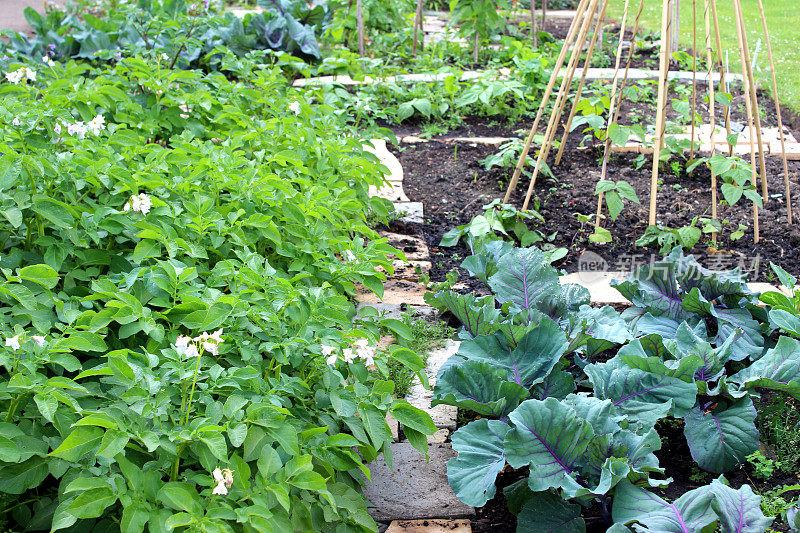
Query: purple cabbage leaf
x,y
473,472
739,511
479,387
720,437
691,513
546,512
778,369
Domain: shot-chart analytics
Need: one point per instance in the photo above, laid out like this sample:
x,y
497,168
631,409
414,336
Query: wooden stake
x,y
711,113
561,99
778,111
663,86
614,107
418,27
573,32
534,33
676,26
750,79
544,12
749,106
475,49
723,83
360,24
694,73
579,91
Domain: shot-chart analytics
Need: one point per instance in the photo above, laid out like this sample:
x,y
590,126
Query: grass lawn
x,y
783,21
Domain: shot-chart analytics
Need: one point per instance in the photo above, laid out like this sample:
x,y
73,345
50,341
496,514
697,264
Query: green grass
x,y
428,335
783,21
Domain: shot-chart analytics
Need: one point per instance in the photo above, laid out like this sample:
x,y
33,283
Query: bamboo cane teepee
x,y
583,27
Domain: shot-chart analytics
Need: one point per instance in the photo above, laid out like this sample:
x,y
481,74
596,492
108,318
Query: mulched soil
x,y
450,180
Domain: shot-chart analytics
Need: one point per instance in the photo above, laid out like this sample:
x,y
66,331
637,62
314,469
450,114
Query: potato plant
x,y
178,251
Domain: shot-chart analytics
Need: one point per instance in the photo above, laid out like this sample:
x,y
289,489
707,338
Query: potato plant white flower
x,y
39,339
294,107
96,125
18,75
78,129
15,122
223,479
47,61
13,342
139,203
189,347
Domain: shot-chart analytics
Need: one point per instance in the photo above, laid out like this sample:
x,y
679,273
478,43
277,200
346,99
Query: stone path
x,y
11,14
770,139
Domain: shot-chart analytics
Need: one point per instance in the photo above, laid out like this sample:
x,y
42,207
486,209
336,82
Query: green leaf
x,y
146,248
480,458
40,274
16,478
81,441
10,169
720,438
208,319
215,442
91,503
600,236
614,203
9,451
739,510
398,327
83,341
480,387
413,417
375,424
308,480
690,512
777,369
550,438
546,512
47,404
181,497
56,212
114,441
731,193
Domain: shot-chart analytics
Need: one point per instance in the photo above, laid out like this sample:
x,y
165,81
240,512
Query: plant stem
x,y
191,392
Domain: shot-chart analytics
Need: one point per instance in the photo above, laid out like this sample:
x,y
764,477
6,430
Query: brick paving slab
x,y
428,525
414,487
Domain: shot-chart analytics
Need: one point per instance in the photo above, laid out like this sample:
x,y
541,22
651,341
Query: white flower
x,y
220,489
349,355
47,61
139,203
228,475
78,129
327,350
164,57
191,351
15,77
15,122
57,129
96,125
211,347
30,74
144,204
216,336
294,107
331,360
13,342
361,343
368,359
217,473
182,341
349,256
38,339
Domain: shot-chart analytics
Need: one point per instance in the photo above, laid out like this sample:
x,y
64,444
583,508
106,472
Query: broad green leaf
x,y
40,274
181,497
777,369
692,512
550,438
413,417
78,443
480,458
479,387
16,478
721,438
145,249
546,512
739,510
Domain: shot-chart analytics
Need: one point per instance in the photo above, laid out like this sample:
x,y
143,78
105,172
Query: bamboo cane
x,y
534,33
544,12
749,106
558,107
360,24
750,79
616,104
418,27
579,91
571,35
778,111
694,74
711,113
663,85
676,26
723,83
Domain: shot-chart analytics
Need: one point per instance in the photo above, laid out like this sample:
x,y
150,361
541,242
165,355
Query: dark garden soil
x,y
448,177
